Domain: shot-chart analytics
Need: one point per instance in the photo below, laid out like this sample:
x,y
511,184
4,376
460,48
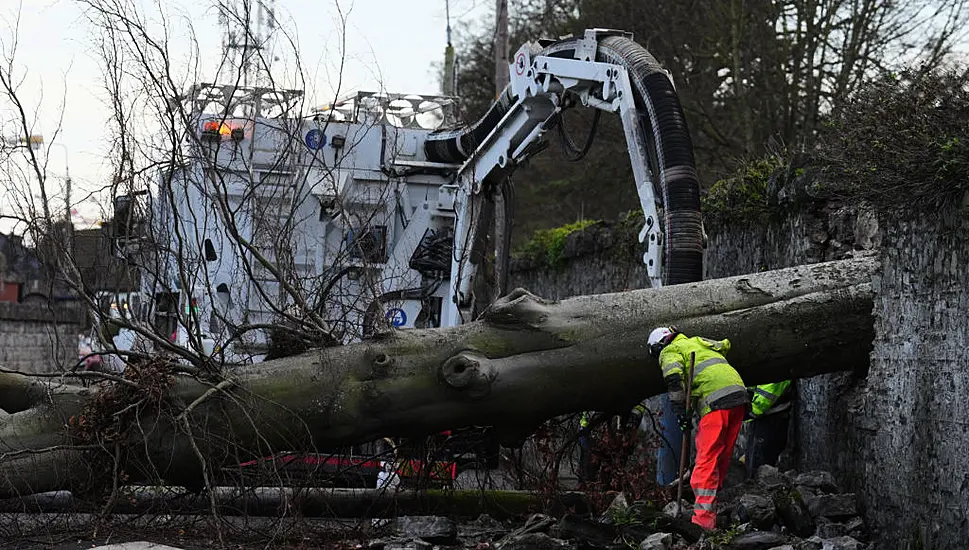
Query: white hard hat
x,y
659,338
660,334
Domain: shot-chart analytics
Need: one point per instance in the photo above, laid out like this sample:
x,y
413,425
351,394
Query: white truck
x,y
379,210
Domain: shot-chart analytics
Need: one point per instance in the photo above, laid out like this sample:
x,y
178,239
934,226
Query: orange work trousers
x,y
715,438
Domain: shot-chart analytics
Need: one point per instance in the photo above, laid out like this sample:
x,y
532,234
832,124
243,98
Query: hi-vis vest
x,y
766,395
586,417
716,385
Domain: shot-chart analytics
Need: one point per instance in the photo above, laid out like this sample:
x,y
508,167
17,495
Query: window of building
x,y
210,255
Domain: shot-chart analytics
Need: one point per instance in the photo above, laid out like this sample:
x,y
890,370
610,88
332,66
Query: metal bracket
x,y
616,96
537,84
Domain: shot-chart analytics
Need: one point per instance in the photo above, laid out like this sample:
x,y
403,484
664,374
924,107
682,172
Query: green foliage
x,y
548,245
624,516
902,142
743,196
952,160
626,247
722,539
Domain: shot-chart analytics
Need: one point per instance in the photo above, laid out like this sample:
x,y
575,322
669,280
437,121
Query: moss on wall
x,y
746,195
547,246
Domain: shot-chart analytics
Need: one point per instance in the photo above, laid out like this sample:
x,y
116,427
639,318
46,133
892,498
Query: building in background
x,y
23,276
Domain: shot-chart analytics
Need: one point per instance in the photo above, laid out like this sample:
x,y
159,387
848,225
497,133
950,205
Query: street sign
x,y
315,139
396,317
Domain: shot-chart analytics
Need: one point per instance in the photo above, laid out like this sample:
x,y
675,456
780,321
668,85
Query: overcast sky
x,y
390,42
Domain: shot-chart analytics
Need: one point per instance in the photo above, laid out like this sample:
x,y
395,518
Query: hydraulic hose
x,y
458,144
663,129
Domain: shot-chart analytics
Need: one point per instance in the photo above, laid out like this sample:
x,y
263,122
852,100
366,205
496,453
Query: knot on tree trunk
x,y
469,372
382,366
519,309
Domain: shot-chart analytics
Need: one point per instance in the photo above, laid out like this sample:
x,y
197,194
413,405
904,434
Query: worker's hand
x,y
633,420
685,421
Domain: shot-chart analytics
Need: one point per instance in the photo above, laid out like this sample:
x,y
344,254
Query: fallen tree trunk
x,y
304,501
525,360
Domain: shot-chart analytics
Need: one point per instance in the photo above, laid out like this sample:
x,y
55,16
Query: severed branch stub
x,y
519,309
469,372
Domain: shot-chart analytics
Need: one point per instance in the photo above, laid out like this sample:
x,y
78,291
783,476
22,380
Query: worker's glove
x,y
685,421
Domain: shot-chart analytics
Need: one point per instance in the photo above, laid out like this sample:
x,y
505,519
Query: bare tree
x,y
244,231
752,77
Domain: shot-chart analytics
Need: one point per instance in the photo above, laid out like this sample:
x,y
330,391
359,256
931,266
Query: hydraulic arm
x,y
604,70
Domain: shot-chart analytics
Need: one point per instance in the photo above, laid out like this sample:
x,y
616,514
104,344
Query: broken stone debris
x,y
432,529
596,533
822,481
770,478
767,512
757,510
832,506
536,541
657,541
839,543
757,540
685,509
137,545
407,545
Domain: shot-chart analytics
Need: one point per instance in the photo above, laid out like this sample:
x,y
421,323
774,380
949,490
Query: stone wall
x,y
906,441
809,232
597,260
39,338
894,431
813,232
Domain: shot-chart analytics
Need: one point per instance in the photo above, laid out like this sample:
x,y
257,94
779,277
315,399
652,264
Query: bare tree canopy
x,y
753,77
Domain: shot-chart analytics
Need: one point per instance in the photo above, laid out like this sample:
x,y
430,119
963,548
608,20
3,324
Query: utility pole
x,y
67,182
249,26
450,71
501,46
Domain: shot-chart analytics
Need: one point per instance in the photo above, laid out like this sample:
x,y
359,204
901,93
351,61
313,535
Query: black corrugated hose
x,y
663,128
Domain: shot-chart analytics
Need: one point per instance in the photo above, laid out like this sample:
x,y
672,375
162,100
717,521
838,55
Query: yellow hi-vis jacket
x,y
716,385
766,395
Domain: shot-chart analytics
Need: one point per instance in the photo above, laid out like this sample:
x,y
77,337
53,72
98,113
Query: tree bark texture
x,y
524,361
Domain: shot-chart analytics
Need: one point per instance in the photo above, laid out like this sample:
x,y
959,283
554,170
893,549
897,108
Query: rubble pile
x,y
791,511
772,511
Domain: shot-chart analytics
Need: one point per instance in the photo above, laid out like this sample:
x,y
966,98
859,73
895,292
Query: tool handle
x,y
685,447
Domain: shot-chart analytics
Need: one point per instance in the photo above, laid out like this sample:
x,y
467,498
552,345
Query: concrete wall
x,y
39,338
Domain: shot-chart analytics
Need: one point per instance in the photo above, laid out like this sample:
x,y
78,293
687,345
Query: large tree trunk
x,y
524,361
